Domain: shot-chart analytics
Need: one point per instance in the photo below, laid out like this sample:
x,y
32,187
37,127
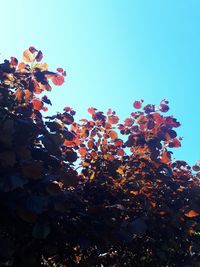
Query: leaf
x,y
21,66
90,144
13,61
67,118
46,100
39,56
113,119
165,157
41,66
113,135
92,110
92,176
120,170
118,142
164,107
58,79
28,95
37,104
32,49
196,168
120,152
59,69
191,214
28,56
137,104
82,151
128,122
19,95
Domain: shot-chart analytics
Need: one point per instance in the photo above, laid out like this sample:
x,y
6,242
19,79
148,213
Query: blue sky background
x,y
114,52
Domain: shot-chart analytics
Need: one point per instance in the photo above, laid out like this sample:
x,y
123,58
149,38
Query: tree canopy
x,y
128,203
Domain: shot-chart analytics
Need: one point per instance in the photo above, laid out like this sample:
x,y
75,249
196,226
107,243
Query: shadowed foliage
x,y
129,203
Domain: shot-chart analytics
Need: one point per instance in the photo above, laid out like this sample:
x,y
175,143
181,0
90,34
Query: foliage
x,y
131,204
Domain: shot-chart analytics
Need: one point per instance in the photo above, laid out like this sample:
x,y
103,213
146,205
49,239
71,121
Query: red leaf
x,y
45,109
13,61
128,122
58,80
113,135
67,109
39,56
91,110
32,49
59,69
164,107
120,152
37,104
137,104
113,119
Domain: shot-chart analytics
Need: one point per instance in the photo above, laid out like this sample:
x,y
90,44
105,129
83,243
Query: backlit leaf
x,y
28,56
191,214
58,80
113,135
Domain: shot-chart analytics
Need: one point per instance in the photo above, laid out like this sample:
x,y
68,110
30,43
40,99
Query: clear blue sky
x,y
115,51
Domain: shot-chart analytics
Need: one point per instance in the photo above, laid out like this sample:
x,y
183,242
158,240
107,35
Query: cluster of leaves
x,y
130,203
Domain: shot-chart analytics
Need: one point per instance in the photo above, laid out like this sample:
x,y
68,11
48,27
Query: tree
x,y
129,204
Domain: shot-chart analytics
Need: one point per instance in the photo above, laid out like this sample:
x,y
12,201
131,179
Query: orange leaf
x,y
28,56
28,95
21,66
165,157
191,214
19,95
37,104
135,193
82,151
108,157
113,135
113,119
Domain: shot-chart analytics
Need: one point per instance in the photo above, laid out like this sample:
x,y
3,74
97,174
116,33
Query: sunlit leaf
x,y
37,104
28,56
191,214
113,119
113,135
58,80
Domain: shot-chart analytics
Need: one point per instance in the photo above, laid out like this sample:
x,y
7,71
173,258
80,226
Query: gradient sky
x,y
114,52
